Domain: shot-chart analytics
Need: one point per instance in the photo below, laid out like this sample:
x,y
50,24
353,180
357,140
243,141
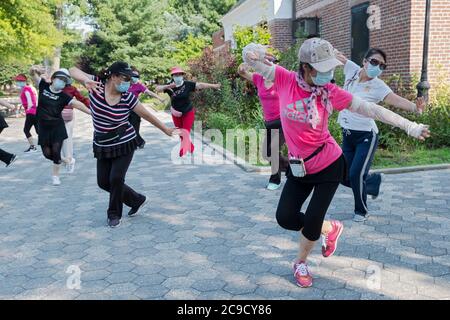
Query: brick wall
x,y
281,31
439,40
394,36
400,33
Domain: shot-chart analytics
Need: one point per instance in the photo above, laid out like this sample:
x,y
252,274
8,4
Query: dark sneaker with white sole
x,y
113,223
12,160
134,211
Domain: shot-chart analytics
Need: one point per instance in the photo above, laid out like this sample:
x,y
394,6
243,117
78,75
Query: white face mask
x,y
178,80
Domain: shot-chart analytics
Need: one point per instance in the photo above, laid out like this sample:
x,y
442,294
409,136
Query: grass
x,y
421,156
397,159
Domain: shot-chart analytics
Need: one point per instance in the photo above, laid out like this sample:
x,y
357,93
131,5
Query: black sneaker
x,y
12,160
142,145
114,223
134,211
31,149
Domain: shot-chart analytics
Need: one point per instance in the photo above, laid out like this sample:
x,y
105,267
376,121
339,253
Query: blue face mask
x,y
21,84
134,80
322,78
123,87
58,84
178,80
373,71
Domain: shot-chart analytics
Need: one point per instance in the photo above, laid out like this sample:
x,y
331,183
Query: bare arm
x,y
145,114
85,79
404,104
163,88
376,112
340,56
154,95
37,74
244,73
80,106
202,85
6,104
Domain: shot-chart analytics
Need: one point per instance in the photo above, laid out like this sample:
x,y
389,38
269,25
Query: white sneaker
x,y
56,181
273,186
71,166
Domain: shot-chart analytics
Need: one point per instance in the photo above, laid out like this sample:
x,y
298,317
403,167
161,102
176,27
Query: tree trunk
x,y
56,61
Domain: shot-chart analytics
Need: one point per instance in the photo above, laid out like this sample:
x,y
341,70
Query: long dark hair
x,y
373,51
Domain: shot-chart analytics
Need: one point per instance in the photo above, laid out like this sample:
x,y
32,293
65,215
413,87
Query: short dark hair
x,y
373,51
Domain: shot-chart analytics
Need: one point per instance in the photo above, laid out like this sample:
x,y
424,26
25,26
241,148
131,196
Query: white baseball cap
x,y
319,54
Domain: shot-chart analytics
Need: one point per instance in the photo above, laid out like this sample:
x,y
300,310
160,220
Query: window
x,y
360,32
305,27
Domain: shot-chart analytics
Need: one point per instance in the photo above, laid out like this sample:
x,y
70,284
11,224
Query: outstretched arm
x,y
376,112
37,74
244,73
202,85
80,106
145,114
163,88
6,104
85,79
404,104
154,95
256,56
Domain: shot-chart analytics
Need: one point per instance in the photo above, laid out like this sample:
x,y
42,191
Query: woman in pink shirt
x,y
274,139
317,165
28,98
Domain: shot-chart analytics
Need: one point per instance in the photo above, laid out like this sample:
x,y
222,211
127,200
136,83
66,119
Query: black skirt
x,y
3,124
335,172
115,151
51,132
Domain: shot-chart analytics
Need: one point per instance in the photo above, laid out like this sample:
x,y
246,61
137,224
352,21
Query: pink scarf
x,y
313,114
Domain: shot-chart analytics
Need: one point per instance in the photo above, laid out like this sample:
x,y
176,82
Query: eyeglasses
x,y
375,63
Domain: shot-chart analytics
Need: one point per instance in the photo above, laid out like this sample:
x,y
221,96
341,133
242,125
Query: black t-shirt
x,y
180,96
50,104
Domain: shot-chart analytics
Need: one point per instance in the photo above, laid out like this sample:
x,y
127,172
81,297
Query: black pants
x,y
359,150
30,121
5,156
283,162
53,152
135,121
111,177
323,185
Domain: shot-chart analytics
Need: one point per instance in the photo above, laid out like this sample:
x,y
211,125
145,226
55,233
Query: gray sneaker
x,y
360,218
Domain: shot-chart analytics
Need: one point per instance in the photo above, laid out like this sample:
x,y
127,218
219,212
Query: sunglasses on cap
x,y
375,63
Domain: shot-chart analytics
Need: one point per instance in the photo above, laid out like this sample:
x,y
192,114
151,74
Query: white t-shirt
x,y
374,91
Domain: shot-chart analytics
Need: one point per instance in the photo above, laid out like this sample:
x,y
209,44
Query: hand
x,y
218,86
421,104
243,68
171,86
423,132
93,86
173,132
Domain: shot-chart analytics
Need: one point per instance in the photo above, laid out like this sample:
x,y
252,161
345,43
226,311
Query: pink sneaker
x,y
329,244
302,275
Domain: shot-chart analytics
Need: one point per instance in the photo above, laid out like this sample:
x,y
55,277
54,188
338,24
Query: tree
x,y
27,31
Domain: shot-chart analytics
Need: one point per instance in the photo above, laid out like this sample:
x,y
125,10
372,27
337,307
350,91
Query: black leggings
x,y
30,121
292,198
111,177
53,152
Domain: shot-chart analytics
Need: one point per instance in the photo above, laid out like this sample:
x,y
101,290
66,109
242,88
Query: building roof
x,y
237,5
